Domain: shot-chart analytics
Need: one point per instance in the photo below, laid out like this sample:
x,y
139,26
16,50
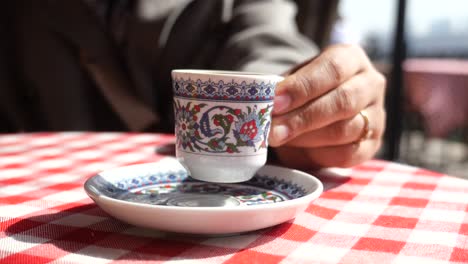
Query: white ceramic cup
x,y
222,122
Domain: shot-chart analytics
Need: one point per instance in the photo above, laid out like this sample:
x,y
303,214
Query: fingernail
x,y
280,133
281,103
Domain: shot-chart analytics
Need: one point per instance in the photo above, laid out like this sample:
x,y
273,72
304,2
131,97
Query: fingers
x,y
336,106
333,156
349,154
344,131
316,119
330,69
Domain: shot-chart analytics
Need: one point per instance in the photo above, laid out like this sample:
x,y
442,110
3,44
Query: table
x,y
378,212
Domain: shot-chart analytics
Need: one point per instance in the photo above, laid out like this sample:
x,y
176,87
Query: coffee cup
x,y
222,121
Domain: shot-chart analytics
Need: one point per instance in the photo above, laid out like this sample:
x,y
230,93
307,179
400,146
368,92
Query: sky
x,y
378,15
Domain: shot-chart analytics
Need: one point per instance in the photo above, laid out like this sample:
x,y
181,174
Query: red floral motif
x,y
230,118
249,129
209,130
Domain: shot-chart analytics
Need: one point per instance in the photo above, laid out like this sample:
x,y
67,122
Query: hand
x,y
316,120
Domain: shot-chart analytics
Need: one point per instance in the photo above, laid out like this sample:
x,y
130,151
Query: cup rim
x,y
238,74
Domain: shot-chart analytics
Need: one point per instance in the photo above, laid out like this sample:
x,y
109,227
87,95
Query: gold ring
x,y
366,132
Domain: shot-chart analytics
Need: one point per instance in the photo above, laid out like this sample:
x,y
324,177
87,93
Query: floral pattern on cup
x,y
204,128
220,90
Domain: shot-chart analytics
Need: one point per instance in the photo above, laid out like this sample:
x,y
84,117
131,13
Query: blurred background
x,y
422,48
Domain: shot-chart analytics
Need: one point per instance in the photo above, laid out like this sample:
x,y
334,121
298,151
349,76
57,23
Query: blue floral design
x,y
232,90
254,91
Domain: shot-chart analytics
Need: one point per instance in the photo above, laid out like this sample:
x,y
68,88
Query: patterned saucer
x,y
162,196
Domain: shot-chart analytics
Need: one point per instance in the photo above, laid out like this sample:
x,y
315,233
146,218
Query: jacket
x,y
80,65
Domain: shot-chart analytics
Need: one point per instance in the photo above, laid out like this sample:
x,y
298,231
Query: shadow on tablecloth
x,y
87,231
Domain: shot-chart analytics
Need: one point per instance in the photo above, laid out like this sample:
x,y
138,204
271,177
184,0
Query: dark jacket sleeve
x,y
263,37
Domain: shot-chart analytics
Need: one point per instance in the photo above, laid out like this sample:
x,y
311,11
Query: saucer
x,y
162,196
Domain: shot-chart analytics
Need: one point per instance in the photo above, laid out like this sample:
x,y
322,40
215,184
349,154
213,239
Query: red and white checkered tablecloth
x,y
379,212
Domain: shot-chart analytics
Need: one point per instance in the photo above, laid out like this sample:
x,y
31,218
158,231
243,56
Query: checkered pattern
x,y
378,212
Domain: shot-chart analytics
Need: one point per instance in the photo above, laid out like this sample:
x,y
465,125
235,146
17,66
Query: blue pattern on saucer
x,y
159,188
